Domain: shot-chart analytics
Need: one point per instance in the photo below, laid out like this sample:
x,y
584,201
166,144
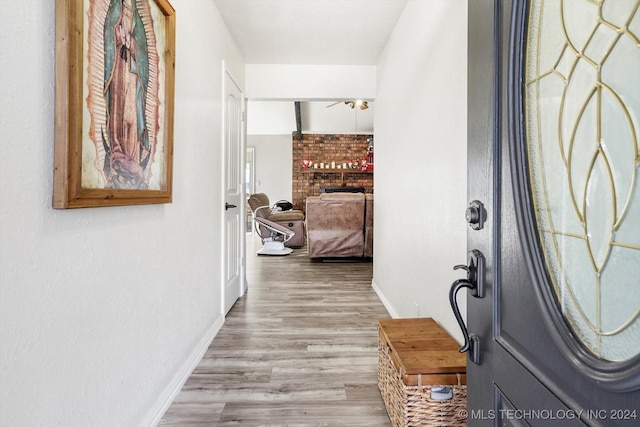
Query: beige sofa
x,y
339,225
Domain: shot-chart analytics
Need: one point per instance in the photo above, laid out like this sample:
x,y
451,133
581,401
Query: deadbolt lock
x,y
476,215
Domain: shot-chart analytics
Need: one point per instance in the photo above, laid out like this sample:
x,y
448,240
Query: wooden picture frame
x,y
114,102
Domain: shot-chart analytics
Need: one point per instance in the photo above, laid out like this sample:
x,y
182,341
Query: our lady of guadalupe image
x,y
123,97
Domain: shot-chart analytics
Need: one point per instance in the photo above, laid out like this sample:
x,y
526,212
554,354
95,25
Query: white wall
x,y
317,117
278,117
270,125
271,117
273,159
104,311
308,82
420,179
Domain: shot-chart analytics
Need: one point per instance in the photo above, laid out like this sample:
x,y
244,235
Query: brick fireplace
x,y
334,150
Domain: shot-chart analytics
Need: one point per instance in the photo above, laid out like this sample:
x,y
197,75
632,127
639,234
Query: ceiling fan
x,y
362,104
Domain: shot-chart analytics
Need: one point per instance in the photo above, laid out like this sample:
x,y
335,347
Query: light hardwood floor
x,y
299,349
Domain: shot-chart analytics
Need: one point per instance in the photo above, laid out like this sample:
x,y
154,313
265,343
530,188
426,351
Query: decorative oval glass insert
x,y
582,117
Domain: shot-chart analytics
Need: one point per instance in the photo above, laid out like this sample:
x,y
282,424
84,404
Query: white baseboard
x,y
171,391
384,300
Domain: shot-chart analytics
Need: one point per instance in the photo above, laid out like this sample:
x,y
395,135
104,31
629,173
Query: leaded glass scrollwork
x,y
582,107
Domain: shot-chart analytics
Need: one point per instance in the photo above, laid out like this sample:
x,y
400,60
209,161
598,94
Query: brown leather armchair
x,y
340,225
292,219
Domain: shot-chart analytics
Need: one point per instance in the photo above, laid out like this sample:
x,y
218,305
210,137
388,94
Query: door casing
x,y
233,228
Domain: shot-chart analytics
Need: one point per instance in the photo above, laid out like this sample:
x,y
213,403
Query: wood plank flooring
x,y
299,349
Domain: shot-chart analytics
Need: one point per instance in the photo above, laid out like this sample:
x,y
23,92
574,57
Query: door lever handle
x,y
453,292
227,206
471,341
475,282
476,272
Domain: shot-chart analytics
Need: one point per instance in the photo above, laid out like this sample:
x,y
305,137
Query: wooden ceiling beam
x,y
298,121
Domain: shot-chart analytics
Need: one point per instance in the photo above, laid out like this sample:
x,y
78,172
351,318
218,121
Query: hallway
x,y
298,349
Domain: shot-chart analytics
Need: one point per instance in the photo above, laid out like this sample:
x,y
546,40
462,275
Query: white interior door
x,y
233,250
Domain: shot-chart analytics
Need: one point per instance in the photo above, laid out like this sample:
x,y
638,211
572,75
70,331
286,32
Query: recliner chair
x,y
265,217
340,225
279,235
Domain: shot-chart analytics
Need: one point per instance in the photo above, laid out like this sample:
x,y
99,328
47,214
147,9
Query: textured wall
x,y
103,310
273,165
421,166
310,81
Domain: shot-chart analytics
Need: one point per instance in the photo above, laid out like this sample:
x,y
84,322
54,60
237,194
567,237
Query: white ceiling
x,y
330,32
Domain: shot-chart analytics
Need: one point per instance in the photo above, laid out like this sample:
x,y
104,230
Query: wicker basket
x,y
412,405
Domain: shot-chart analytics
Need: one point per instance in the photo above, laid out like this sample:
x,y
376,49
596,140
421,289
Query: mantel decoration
x,y
114,102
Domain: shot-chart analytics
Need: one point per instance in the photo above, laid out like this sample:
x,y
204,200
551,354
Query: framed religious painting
x,y
114,102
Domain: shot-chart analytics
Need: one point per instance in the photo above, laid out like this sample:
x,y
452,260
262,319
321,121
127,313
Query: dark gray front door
x,y
553,154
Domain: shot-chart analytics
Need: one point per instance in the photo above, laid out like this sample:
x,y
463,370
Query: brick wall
x,y
327,148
